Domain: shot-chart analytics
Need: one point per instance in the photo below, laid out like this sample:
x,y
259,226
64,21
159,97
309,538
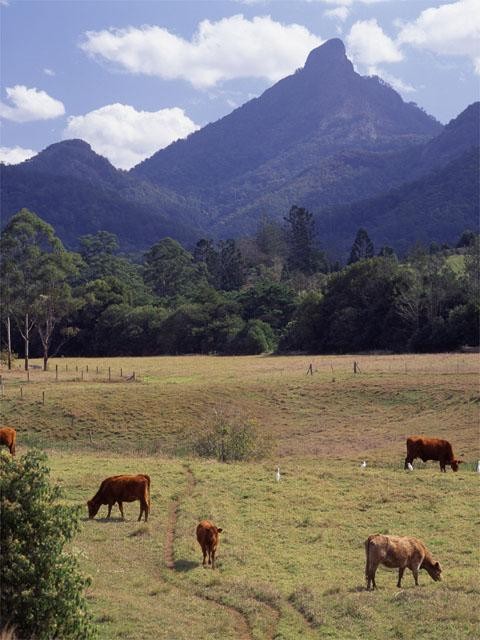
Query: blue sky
x,y
132,76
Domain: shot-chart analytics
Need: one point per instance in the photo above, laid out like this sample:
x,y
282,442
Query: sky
x,y
132,76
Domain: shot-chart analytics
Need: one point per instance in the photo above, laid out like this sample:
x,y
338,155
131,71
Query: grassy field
x,y
291,557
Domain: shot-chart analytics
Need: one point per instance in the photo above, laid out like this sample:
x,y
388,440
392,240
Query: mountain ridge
x,y
324,138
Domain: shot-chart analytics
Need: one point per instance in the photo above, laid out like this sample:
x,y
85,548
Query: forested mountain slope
x,y
434,208
319,135
80,192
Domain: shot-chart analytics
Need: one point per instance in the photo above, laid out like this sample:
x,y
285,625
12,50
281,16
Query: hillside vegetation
x,y
322,138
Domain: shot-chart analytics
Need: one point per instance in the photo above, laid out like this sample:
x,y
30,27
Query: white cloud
x,y
450,29
126,136
367,44
350,3
29,105
397,83
340,13
233,47
15,155
48,72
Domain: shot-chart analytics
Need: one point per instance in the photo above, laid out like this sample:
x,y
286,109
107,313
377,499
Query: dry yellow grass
x,y
291,558
332,413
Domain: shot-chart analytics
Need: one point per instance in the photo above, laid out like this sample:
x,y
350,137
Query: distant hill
x,y
80,192
346,147
319,135
435,208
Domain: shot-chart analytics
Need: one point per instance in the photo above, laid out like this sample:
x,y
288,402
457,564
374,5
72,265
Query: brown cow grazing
x,y
397,552
122,489
8,436
431,449
207,536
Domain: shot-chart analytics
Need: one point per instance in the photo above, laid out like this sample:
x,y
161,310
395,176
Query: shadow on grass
x,y
359,588
183,566
104,520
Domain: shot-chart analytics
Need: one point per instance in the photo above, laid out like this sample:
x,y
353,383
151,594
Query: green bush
x,y
231,438
255,338
41,593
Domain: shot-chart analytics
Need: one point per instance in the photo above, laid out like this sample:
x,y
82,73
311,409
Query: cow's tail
x,y
147,491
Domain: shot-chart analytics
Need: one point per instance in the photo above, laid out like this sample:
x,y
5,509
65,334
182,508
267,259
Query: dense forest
x,y
273,292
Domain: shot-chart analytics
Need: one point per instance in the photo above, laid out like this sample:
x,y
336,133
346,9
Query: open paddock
x,y
332,413
291,559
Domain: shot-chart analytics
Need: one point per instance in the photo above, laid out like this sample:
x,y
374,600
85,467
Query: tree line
x,y
276,291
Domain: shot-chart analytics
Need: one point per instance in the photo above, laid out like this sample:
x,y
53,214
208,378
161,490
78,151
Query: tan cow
x,y
8,437
122,489
397,552
207,536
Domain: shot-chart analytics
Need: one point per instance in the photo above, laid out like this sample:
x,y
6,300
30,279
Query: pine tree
x,y
362,248
300,230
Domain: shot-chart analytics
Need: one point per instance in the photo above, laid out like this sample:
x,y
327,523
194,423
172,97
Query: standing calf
x,y
8,436
398,552
207,536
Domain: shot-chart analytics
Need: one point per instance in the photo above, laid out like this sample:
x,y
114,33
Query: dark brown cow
x,y
431,449
122,489
400,553
8,437
207,536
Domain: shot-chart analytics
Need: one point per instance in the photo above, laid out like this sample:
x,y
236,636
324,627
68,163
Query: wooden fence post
x,y
56,372
21,392
109,374
121,372
43,397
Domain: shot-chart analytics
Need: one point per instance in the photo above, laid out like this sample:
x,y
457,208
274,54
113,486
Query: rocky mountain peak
x,y
328,57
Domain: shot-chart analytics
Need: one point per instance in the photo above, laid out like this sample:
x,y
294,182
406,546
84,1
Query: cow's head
x,y
93,508
433,569
454,464
215,539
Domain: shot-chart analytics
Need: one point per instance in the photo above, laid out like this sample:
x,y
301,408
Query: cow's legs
x,y
213,558
109,509
12,449
120,506
143,509
370,567
209,555
415,575
400,576
204,551
371,580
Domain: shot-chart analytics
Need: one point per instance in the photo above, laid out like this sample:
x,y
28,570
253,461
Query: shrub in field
x,y
41,593
228,439
256,337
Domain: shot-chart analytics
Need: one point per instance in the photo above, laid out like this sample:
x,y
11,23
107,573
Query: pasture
x,y
291,558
